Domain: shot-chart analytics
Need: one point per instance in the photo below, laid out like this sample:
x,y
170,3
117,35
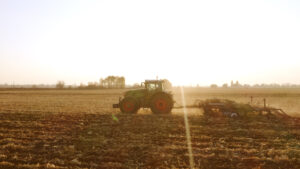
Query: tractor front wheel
x,y
129,105
161,104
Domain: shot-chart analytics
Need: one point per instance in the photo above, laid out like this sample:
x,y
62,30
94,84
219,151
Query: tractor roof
x,y
154,81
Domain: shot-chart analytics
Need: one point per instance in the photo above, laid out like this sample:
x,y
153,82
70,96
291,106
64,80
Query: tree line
x,y
263,85
110,82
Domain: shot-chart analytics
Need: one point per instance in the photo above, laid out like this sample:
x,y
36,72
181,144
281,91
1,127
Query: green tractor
x,y
153,96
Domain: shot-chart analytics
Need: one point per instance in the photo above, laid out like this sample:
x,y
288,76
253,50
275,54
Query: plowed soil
x,y
42,139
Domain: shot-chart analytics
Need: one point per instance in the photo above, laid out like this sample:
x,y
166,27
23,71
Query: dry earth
x,y
78,129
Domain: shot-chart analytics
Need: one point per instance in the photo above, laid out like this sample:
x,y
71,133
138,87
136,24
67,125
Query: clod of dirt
x,y
75,161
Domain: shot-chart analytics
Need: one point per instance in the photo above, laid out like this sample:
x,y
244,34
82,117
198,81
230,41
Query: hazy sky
x,y
187,42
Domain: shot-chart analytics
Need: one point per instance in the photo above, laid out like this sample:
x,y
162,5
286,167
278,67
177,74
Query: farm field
x,y
79,129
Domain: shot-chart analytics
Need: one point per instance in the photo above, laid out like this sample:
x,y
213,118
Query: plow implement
x,y
229,108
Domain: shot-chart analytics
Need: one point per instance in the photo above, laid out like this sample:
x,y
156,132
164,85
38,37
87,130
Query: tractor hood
x,y
135,93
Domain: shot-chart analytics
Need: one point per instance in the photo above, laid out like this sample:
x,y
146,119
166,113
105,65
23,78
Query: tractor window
x,y
154,86
151,86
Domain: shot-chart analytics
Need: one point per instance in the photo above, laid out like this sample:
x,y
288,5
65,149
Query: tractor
x,y
153,96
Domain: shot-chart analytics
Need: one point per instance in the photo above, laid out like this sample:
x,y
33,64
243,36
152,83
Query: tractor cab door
x,y
151,89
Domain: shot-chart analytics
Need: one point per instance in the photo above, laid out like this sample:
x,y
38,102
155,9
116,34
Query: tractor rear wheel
x,y
161,104
129,105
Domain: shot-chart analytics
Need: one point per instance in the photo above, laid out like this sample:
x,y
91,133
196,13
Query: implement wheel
x,y
161,104
129,105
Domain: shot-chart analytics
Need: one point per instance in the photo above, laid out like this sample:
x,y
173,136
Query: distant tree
x,y
121,82
92,85
60,84
246,86
237,84
213,86
82,86
113,82
225,85
102,83
256,85
110,81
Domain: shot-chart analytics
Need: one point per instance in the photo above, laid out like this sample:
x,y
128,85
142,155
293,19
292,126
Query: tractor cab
x,y
153,85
